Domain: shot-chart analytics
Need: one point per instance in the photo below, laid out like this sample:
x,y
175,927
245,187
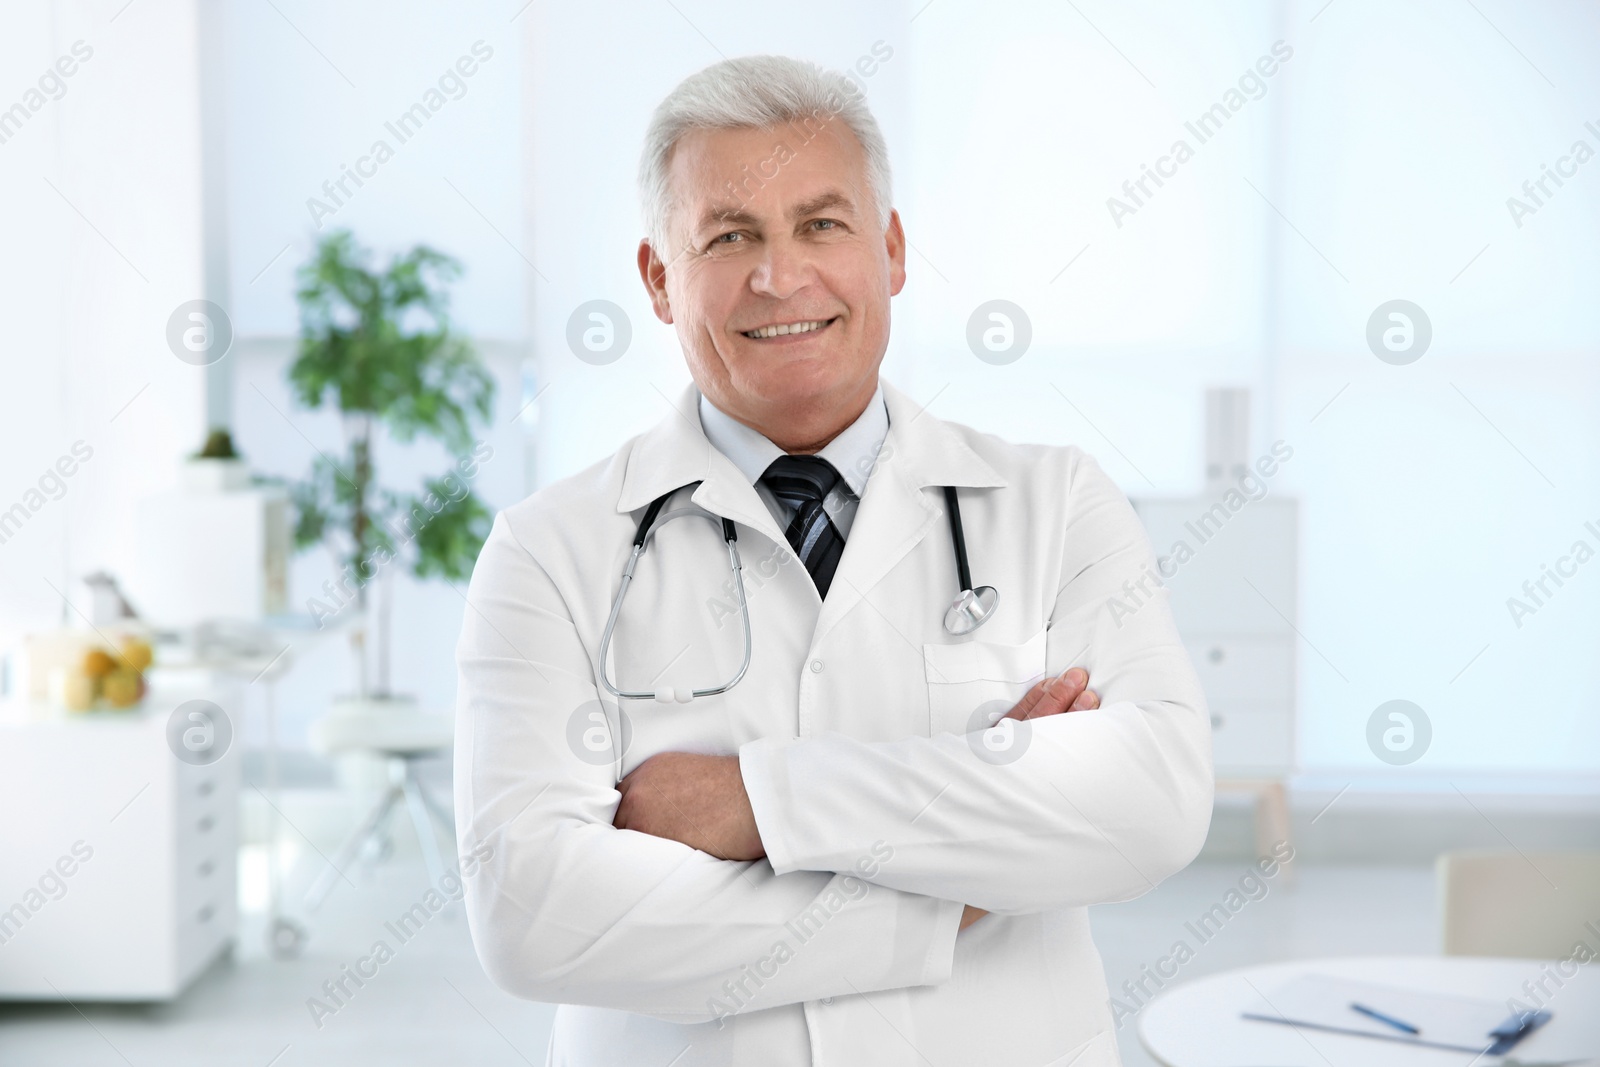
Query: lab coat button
x,y
816,666
827,1000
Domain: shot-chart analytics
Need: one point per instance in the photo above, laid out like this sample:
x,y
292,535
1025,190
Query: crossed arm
x,y
701,801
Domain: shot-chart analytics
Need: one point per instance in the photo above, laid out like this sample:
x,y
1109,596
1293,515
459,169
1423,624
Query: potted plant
x,y
216,468
379,346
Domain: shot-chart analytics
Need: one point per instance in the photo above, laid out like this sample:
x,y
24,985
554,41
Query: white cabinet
x,y
1233,581
204,556
118,879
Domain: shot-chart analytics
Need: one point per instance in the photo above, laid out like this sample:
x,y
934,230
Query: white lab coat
x,y
879,817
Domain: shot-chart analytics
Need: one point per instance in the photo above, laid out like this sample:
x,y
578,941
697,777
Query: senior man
x,y
879,844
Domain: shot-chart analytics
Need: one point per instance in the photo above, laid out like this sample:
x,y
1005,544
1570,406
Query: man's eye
x,y
830,223
725,239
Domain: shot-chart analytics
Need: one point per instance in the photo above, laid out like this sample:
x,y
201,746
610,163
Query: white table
x,y
1197,1024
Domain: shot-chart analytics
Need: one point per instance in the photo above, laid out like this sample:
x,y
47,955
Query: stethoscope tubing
x,y
647,528
958,535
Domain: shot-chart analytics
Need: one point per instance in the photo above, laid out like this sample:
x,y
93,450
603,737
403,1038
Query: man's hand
x,y
1068,691
698,800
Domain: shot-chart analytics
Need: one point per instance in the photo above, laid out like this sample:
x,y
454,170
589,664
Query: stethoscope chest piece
x,y
971,610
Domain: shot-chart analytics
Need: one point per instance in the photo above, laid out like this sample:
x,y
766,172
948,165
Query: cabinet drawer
x,y
201,830
201,929
1225,554
203,877
205,812
1251,739
1252,669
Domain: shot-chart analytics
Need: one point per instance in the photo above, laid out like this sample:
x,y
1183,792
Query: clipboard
x,y
1440,1020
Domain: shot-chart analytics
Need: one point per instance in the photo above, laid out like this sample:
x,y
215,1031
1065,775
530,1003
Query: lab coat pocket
x,y
969,681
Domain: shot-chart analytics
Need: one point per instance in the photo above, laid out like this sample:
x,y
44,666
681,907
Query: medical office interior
x,y
1315,282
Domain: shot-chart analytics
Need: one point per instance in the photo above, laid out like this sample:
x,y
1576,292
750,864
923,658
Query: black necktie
x,y
802,483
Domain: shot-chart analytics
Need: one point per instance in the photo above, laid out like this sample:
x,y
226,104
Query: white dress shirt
x,y
853,454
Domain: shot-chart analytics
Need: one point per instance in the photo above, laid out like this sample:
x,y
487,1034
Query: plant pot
x,y
213,475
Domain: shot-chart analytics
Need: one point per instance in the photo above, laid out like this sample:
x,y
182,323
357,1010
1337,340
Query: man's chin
x,y
798,381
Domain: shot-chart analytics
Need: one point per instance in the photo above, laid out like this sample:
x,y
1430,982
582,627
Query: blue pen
x,y
1387,1020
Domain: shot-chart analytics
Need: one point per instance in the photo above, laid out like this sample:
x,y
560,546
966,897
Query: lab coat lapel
x,y
676,452
893,517
897,508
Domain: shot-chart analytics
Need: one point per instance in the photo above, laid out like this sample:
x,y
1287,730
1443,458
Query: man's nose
x,y
784,269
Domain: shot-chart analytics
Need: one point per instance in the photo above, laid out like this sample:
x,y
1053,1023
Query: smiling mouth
x,y
789,329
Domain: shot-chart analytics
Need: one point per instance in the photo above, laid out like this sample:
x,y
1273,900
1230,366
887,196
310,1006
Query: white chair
x,y
401,738
1532,905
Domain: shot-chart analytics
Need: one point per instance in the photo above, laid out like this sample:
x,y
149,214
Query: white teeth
x,y
778,331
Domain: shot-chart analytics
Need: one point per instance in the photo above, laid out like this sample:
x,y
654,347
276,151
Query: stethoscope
x,y
970,609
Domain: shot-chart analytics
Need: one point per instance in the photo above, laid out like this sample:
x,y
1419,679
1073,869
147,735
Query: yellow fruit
x,y
121,687
136,653
97,663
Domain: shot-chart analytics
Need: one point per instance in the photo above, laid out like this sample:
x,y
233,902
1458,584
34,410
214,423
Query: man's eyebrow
x,y
821,202
735,216
727,216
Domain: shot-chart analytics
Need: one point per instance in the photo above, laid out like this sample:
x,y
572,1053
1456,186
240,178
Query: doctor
x,y
878,845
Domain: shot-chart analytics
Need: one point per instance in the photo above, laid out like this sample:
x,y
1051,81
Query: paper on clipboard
x,y
1324,1001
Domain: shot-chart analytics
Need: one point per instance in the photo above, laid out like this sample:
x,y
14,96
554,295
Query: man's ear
x,y
653,272
894,239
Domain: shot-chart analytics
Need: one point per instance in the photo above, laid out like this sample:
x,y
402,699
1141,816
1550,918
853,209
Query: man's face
x,y
802,248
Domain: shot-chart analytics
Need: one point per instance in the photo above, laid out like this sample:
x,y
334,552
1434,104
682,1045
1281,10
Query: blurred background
x,y
1358,238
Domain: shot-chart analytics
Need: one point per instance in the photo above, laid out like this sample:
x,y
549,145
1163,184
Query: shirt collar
x,y
853,453
921,450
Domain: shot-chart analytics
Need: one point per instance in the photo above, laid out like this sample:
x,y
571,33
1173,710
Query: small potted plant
x,y
379,346
216,468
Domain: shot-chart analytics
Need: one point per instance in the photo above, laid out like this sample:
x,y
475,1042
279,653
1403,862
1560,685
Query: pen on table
x,y
1388,1020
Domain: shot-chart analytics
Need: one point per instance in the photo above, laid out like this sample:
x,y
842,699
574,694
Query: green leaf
x,y
452,535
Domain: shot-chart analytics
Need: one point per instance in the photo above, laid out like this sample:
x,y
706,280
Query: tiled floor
x,y
432,1004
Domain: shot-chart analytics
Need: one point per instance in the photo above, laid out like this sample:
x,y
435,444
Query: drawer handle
x,y
205,788
1215,655
1216,721
204,914
205,868
205,824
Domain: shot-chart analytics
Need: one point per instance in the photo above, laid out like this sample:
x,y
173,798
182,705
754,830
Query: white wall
x,y
101,242
295,123
1433,491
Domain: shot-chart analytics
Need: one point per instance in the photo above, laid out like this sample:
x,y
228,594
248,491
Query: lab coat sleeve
x,y
564,907
1101,805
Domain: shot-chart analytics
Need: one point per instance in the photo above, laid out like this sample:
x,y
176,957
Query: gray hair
x,y
756,92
